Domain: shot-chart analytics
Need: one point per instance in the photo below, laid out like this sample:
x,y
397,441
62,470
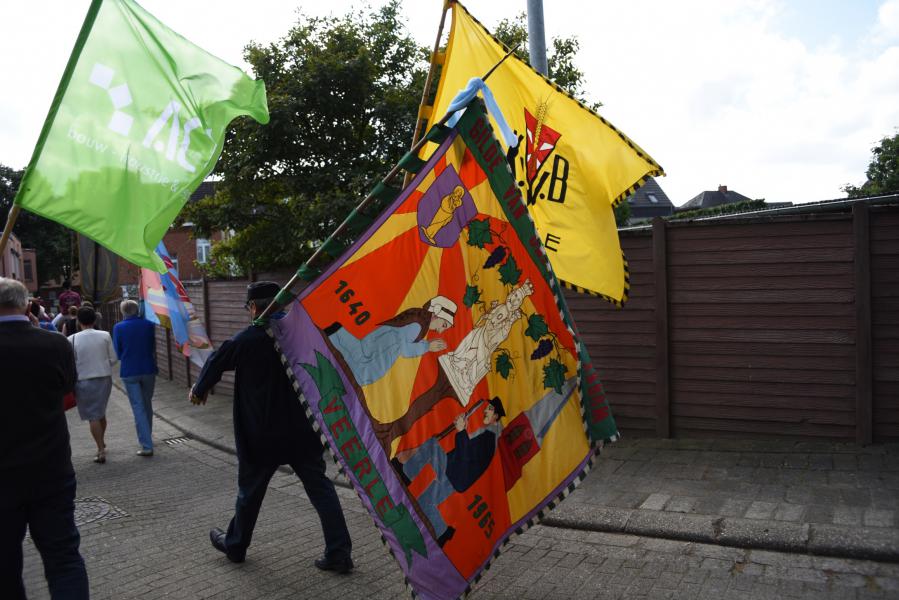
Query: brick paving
x,y
773,494
153,542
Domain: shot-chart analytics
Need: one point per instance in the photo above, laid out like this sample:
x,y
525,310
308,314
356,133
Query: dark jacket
x,y
470,458
37,368
270,424
135,344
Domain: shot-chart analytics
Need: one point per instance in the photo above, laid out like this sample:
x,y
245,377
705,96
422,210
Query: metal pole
x,y
96,279
537,36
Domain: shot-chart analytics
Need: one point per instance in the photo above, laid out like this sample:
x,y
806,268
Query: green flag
x,y
137,123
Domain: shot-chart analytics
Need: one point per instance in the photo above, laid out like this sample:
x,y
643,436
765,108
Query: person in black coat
x,y
270,429
37,481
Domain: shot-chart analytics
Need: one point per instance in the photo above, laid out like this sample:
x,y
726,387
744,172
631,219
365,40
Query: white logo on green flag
x,y
138,122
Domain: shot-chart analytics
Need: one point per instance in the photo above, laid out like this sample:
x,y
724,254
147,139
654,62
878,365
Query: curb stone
x,y
838,541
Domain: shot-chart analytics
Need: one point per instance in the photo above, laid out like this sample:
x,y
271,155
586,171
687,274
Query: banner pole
x,y
7,230
367,200
427,88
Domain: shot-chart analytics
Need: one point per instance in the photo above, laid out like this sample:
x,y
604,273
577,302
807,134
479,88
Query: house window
x,y
652,198
29,273
203,247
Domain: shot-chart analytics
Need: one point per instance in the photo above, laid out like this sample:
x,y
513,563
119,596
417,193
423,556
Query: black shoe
x,y
333,328
342,566
217,537
400,471
446,536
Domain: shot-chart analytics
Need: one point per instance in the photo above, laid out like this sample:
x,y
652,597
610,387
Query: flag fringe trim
x,y
658,171
633,145
617,303
551,505
553,502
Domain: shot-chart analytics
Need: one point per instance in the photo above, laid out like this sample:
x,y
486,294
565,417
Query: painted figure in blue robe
x,y
403,336
456,470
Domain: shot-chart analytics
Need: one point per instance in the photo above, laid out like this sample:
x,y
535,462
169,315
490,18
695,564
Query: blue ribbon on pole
x,y
475,85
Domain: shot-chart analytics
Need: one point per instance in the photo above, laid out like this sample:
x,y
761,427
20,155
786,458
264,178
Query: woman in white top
x,y
94,357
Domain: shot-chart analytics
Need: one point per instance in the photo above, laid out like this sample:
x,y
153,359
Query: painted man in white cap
x,y
403,336
462,369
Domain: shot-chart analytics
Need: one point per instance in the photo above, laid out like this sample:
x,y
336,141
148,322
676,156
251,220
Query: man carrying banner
x,y
270,429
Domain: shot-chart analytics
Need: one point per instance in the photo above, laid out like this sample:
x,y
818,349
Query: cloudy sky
x,y
777,99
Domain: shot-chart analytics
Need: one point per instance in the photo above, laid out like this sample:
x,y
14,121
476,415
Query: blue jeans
x,y
140,394
252,482
49,512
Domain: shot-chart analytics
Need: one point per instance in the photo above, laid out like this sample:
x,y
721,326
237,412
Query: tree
x,y
622,214
882,173
560,60
343,95
50,240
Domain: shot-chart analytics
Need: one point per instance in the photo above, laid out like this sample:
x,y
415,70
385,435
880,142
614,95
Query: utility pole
x,y
537,36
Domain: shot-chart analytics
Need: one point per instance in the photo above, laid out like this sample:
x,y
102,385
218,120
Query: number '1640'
x,y
344,293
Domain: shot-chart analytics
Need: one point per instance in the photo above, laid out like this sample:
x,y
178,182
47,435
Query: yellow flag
x,y
572,165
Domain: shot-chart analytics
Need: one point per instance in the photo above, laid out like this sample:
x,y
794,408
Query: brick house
x,y
19,263
184,249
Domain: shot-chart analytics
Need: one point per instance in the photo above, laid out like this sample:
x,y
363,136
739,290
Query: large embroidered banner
x,y
439,363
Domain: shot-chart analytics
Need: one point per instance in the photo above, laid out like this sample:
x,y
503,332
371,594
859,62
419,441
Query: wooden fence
x,y
766,327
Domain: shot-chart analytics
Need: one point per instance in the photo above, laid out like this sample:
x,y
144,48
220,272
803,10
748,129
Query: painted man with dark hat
x,y
270,429
456,470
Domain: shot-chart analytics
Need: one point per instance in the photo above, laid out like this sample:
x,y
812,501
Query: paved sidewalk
x,y
809,497
144,526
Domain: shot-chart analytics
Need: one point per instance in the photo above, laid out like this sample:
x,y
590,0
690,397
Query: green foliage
x,y
723,209
472,295
509,273
622,213
343,93
554,375
221,263
882,173
50,240
536,327
504,365
479,233
560,59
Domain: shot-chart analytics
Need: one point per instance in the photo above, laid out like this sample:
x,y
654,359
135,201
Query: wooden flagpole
x,y
368,199
7,231
427,87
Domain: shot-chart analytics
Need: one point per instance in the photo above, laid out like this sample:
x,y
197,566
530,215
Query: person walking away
x,y
68,297
270,429
40,314
98,324
57,319
94,358
69,326
134,339
37,481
